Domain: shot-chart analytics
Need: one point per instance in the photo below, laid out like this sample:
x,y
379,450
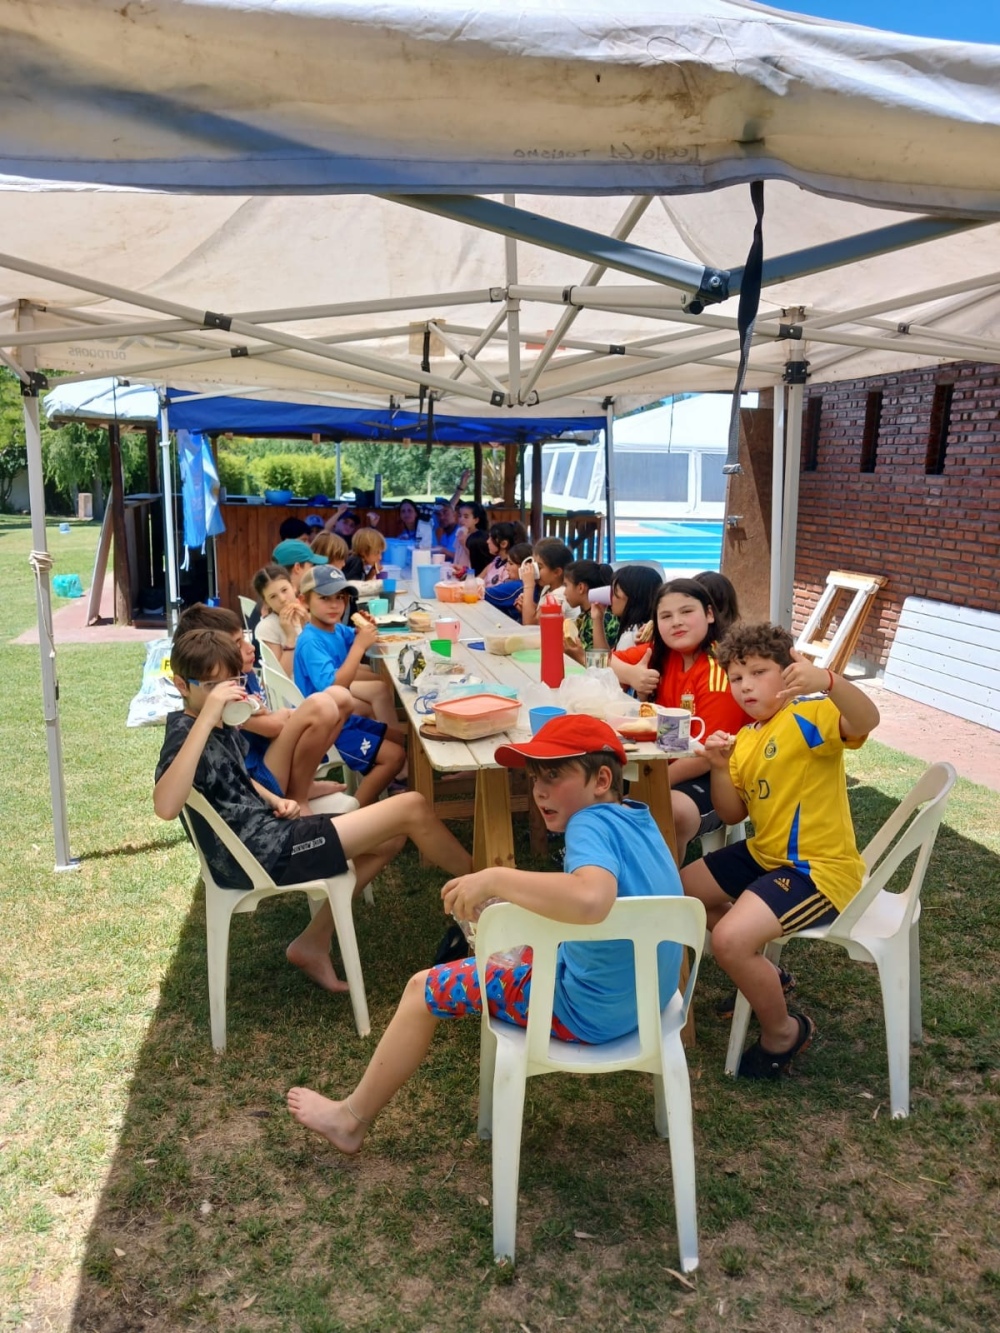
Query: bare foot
x,y
331,1119
317,966
320,789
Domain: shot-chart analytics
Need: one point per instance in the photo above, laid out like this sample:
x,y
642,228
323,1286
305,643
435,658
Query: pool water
x,y
677,545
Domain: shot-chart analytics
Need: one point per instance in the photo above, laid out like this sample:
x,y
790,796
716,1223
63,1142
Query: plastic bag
x,y
157,695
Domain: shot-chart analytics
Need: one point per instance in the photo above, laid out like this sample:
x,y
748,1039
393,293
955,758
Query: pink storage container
x,y
476,715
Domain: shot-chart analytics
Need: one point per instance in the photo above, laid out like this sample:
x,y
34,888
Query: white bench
x,y
949,657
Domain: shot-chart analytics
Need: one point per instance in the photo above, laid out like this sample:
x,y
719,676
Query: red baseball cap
x,y
564,737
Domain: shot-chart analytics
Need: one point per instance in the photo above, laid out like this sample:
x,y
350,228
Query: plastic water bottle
x,y
550,620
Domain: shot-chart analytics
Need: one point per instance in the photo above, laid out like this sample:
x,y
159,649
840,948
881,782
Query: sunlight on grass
x,y
149,1184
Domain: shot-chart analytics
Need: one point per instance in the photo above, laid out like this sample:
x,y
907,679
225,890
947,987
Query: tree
x,y
13,454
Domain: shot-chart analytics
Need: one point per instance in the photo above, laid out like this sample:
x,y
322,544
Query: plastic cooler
x,y
477,715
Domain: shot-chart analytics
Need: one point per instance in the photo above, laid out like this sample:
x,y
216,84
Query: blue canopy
x,y
254,416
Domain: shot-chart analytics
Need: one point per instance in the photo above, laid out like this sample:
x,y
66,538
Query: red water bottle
x,y
550,620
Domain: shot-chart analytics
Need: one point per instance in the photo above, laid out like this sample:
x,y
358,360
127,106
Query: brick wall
x,y
935,536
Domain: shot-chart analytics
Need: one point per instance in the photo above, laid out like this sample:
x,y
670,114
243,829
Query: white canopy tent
x,y
607,280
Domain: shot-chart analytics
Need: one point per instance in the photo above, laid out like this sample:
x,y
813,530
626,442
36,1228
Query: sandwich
x,y
571,635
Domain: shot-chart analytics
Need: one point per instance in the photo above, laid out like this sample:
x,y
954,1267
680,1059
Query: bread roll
x,y
571,634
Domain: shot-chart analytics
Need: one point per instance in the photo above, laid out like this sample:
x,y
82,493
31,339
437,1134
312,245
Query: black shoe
x,y
758,1063
725,1008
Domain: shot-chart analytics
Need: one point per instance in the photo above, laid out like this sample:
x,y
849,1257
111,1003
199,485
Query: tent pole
x,y
777,499
338,480
169,532
513,316
488,215
521,449
626,223
790,508
537,502
41,563
609,472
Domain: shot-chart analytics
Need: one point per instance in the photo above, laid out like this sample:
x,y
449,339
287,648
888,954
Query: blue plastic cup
x,y
537,717
427,576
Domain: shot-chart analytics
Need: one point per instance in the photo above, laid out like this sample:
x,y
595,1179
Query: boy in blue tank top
x,y
613,850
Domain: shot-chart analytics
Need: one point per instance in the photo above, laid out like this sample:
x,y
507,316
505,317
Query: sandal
x,y
758,1063
727,1006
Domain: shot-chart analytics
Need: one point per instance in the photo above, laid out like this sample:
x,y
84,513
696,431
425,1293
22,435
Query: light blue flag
x,y
199,491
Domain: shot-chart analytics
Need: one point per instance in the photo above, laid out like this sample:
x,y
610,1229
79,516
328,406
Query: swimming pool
x,y
677,545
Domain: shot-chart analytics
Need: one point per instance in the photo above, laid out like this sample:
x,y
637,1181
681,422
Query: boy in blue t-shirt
x,y
330,655
613,850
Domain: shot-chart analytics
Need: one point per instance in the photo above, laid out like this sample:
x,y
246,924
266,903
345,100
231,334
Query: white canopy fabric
x,y
266,261
367,275
550,96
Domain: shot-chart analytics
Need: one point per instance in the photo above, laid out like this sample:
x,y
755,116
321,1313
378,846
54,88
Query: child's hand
x,y
226,692
365,630
464,896
286,808
645,679
802,677
373,518
292,616
718,747
527,572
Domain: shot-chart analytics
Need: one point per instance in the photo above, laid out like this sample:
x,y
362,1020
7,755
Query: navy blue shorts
x,y
790,894
359,741
314,852
700,791
259,771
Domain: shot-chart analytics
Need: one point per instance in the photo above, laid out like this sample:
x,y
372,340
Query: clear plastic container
x,y
448,592
477,715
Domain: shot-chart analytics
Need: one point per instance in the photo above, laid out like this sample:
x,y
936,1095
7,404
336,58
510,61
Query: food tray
x,y
476,715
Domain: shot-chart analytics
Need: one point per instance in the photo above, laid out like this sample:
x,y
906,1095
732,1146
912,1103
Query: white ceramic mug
x,y
673,730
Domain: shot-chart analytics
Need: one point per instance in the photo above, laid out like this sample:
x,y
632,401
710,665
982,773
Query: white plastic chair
x,y
882,927
723,836
221,904
509,1056
269,660
247,606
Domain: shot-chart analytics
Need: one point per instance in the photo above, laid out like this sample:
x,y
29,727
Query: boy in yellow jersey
x,y
785,771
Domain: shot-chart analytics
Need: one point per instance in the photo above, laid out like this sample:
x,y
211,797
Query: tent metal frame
x,y
214,336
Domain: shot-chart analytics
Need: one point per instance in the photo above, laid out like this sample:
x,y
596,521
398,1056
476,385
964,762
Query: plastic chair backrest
x,y
269,658
247,606
282,691
248,863
645,921
913,825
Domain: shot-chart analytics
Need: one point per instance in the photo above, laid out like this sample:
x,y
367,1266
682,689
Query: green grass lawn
x,y
148,1184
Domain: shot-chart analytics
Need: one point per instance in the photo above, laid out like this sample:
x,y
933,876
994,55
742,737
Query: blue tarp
x,y
255,416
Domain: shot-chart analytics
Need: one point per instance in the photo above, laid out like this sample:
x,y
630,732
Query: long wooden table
x,y
493,805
